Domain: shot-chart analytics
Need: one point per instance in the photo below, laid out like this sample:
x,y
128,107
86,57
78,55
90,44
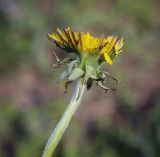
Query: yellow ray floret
x,y
82,42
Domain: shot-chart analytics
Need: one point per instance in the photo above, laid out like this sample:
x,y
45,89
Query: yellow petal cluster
x,y
85,43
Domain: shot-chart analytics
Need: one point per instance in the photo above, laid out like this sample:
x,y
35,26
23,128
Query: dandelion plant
x,y
90,53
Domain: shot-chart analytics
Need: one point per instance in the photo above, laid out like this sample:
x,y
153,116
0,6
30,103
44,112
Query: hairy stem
x,y
66,118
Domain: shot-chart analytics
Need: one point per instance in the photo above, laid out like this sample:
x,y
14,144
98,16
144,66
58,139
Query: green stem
x,y
66,118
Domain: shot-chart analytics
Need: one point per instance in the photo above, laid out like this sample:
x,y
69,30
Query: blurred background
x,y
125,123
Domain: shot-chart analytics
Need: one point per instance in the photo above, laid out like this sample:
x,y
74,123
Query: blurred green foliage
x,y
31,101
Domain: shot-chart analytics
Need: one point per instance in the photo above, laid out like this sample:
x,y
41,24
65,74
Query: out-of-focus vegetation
x,y
125,123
